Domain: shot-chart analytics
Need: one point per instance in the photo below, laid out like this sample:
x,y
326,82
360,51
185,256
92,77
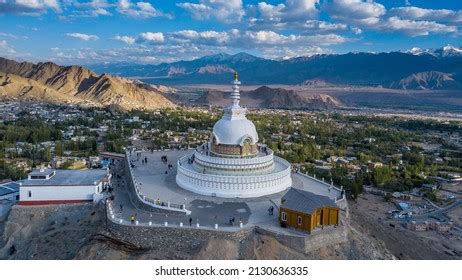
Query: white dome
x,y
234,131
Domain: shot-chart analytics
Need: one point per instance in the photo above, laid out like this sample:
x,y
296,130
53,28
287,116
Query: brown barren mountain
x,y
427,80
50,82
266,97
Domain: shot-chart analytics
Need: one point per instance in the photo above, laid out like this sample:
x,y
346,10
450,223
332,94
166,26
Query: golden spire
x,y
235,75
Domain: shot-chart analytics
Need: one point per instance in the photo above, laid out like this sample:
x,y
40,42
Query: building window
x,y
284,216
299,220
29,193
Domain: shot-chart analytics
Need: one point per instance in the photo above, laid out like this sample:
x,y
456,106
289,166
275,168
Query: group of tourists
x,y
165,160
191,159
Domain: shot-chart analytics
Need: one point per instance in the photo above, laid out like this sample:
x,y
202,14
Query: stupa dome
x,y
234,131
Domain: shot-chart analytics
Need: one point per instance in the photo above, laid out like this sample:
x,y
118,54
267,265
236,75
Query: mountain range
x,y
266,97
78,85
353,69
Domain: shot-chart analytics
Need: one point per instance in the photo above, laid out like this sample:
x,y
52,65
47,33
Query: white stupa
x,y
233,163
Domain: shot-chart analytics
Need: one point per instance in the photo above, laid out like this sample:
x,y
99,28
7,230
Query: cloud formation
x,y
227,11
125,39
412,21
82,36
139,10
150,37
360,12
416,13
415,28
5,48
281,15
29,7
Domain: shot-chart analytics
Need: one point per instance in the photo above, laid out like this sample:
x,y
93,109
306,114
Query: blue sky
x,y
156,31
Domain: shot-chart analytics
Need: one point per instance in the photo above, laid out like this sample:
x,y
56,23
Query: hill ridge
x,y
76,84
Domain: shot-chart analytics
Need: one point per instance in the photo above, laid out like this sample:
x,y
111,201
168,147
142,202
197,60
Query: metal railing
x,y
112,215
327,185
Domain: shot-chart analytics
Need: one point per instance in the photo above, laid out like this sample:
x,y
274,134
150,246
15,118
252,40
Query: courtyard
x,y
156,180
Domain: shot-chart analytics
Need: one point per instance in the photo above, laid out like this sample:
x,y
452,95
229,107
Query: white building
x,y
50,186
233,163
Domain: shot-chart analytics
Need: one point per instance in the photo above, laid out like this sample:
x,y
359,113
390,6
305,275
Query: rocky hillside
x,y
266,97
427,80
50,82
78,232
290,99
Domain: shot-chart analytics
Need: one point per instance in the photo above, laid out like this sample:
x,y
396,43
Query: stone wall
x,y
182,239
309,243
191,239
324,237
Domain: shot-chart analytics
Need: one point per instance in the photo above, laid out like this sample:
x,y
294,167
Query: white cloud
x,y
412,21
29,7
139,10
273,38
151,37
291,13
361,12
317,26
249,39
416,13
5,48
82,36
39,4
125,39
205,37
415,28
286,53
227,11
356,30
93,8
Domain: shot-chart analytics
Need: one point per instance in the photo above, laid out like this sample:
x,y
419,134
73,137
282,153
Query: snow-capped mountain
x,y
446,51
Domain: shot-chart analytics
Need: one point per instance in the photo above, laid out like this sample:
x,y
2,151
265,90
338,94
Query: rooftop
x,y
9,188
44,172
70,178
306,202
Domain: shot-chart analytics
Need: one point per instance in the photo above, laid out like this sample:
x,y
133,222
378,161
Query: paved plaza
x,y
157,181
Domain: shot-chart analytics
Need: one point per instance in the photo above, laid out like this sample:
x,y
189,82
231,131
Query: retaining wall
x,y
182,239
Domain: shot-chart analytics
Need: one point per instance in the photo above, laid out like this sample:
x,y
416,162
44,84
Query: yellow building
x,y
307,211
